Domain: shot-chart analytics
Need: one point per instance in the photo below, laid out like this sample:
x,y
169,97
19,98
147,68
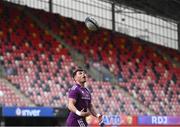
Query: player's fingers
x,y
99,116
87,113
82,110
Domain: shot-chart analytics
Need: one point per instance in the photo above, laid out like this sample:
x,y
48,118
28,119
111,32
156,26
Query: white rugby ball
x,y
91,24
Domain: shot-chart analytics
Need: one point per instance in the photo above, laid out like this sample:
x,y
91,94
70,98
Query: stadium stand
x,y
40,66
147,74
8,97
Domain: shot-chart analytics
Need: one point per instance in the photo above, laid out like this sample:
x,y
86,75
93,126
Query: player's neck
x,y
81,84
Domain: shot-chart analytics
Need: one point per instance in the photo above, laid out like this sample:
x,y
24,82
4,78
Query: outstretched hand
x,y
99,116
84,114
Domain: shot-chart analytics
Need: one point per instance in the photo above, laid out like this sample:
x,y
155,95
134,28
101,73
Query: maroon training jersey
x,y
83,101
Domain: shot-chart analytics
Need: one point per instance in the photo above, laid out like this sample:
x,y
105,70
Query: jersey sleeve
x,y
73,93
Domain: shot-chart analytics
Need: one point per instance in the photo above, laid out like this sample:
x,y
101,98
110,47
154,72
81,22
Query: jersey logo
x,y
85,95
88,91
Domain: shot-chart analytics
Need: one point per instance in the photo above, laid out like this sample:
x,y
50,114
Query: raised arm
x,y
94,113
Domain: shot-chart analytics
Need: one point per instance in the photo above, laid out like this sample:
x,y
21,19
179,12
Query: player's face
x,y
81,76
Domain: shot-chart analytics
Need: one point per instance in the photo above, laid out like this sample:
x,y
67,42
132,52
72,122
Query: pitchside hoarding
x,y
121,120
113,120
159,120
27,112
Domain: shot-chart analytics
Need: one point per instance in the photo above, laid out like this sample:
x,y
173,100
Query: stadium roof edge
x,y
166,9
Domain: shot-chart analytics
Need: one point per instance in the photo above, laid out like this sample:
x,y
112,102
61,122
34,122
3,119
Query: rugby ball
x,y
91,24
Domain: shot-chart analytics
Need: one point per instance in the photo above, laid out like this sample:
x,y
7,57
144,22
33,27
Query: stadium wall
x,y
33,116
47,116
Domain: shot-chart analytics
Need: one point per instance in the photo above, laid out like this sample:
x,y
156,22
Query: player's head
x,y
79,76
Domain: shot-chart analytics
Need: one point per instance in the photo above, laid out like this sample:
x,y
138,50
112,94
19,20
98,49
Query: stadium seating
x,y
8,97
142,67
43,65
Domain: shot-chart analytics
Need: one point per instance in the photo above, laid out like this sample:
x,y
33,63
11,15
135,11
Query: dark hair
x,y
74,73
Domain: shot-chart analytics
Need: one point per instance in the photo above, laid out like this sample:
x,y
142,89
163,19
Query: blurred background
x,y
132,61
